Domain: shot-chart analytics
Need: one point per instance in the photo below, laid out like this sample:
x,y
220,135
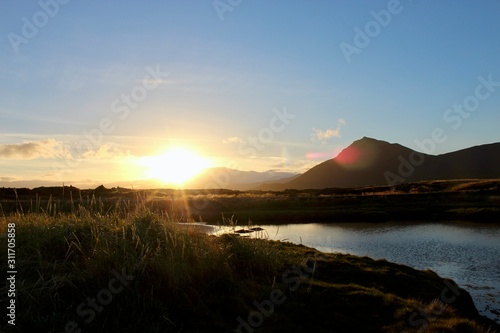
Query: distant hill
x,y
214,178
368,162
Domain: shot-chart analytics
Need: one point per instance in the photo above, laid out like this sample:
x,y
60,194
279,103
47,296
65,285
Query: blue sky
x,y
210,75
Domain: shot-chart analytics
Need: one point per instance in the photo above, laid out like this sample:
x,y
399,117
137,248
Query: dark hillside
x,y
370,162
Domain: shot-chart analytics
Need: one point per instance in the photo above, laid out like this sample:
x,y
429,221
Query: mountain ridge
x,y
372,162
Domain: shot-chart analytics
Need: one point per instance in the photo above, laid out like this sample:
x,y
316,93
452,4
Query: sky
x,y
98,92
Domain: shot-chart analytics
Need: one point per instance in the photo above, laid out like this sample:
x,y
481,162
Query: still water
x,y
468,253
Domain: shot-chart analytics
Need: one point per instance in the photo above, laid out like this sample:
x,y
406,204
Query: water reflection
x,y
466,252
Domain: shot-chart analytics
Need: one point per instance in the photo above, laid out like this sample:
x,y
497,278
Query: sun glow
x,y
175,166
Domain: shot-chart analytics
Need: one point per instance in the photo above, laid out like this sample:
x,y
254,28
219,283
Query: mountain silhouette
x,y
371,162
220,177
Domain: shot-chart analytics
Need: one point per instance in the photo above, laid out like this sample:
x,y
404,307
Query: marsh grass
x,y
64,258
185,281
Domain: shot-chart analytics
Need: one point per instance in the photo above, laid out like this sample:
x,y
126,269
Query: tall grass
x,y
180,280
63,259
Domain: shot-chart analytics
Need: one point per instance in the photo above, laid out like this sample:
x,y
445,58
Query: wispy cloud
x,y
231,140
324,135
7,179
106,151
48,148
296,166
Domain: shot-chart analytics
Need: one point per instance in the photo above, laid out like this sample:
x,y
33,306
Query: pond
x,y
468,253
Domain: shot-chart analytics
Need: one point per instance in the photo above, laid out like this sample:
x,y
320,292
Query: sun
x,y
175,166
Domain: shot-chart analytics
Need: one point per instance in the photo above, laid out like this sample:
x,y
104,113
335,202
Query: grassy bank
x,y
138,272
